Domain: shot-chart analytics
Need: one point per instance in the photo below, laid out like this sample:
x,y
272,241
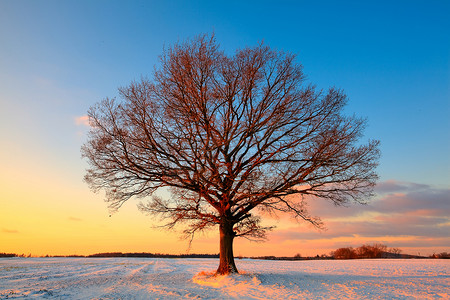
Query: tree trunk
x,y
226,265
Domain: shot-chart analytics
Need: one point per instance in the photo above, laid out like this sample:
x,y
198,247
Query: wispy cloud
x,y
75,219
82,121
392,198
413,213
394,186
5,230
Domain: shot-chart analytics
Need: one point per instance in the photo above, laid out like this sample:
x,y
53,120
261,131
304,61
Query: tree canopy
x,y
229,136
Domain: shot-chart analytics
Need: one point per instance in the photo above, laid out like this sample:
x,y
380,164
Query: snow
x,y
150,278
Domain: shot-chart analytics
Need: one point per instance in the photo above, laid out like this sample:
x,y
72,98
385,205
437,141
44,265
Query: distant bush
x,y
441,255
344,253
366,251
371,251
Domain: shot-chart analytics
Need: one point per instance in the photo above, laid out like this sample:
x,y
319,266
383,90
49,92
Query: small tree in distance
x,y
371,251
229,137
344,253
396,251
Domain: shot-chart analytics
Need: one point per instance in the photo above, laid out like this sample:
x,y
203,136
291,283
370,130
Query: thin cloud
x,y
9,230
75,219
82,121
394,186
436,201
403,198
419,212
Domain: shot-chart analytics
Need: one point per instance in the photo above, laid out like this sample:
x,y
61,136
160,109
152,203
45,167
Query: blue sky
x,y
58,58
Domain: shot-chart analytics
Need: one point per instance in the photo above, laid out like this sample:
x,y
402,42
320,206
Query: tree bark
x,y
226,264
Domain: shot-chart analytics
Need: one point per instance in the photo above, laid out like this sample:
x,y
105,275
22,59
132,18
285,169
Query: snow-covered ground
x,y
141,278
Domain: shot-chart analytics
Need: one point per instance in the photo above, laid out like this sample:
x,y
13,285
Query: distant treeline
x,y
271,257
365,251
120,254
8,255
377,251
153,255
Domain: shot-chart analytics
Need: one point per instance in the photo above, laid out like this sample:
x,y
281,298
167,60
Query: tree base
x,y
226,270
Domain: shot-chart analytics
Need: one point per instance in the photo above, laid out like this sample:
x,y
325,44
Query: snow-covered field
x,y
141,278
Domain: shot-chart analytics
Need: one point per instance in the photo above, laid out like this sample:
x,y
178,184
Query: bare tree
x,y
230,136
371,251
344,253
396,251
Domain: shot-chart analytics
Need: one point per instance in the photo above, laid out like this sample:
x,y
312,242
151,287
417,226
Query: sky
x,y
58,58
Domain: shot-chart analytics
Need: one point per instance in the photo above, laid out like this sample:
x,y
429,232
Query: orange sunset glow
x,y
54,225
